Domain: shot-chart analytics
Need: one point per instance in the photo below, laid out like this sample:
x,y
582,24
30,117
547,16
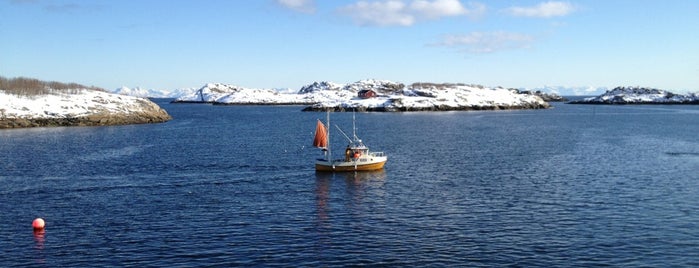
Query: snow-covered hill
x,y
390,96
76,107
640,95
432,97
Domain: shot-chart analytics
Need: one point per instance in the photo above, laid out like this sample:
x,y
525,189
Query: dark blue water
x,y
235,186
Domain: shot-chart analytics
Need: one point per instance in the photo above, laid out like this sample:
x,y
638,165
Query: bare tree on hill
x,y
24,86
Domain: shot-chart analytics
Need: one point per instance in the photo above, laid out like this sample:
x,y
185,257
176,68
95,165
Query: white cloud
x,y
443,8
487,42
406,13
393,12
543,10
305,6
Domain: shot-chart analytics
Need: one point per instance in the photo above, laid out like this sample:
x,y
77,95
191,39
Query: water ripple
x,y
560,187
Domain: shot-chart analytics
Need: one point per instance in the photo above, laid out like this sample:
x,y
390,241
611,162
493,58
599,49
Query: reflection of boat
x,y
355,185
354,177
357,155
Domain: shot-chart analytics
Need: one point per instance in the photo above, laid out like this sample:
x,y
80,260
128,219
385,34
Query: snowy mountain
x,y
640,95
76,107
389,96
136,92
214,92
569,91
153,93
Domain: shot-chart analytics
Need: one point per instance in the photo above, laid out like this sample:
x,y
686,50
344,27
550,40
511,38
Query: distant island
x,y
28,102
639,95
373,95
548,93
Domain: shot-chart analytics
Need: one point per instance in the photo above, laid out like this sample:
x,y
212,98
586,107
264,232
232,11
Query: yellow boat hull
x,y
341,166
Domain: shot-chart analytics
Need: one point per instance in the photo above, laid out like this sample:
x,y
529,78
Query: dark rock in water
x,y
639,95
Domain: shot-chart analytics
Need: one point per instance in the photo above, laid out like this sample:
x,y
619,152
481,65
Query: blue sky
x,y
290,43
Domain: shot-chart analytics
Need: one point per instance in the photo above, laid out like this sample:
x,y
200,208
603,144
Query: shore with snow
x,y
639,95
383,96
79,107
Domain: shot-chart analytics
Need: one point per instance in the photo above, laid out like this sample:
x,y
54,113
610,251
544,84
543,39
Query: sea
x,y
235,186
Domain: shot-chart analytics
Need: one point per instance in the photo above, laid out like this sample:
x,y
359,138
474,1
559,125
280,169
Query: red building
x,y
366,93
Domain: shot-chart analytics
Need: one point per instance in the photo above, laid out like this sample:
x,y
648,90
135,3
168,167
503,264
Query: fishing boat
x,y
357,156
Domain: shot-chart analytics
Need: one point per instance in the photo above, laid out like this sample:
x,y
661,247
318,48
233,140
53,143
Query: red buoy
x,y
38,224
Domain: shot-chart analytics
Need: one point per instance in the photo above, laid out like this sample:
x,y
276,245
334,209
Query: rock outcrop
x,y
549,97
82,107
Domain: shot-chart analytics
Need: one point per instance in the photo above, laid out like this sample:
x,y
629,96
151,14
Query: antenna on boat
x,y
343,133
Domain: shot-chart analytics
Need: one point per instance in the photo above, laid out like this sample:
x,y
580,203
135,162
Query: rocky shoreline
x,y
437,108
92,120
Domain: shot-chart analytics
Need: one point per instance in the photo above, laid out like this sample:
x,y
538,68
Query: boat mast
x,y
354,134
354,128
329,155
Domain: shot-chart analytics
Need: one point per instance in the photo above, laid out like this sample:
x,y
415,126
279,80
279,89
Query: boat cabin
x,y
353,153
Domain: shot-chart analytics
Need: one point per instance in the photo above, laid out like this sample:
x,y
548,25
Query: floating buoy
x,y
38,224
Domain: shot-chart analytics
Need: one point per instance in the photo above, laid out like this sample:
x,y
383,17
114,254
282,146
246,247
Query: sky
x,y
174,44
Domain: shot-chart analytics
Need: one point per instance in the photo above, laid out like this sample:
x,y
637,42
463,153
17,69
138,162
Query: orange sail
x,y
321,138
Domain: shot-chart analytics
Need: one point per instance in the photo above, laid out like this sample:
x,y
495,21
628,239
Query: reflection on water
x,y
109,154
39,238
322,195
353,177
344,201
39,235
354,183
